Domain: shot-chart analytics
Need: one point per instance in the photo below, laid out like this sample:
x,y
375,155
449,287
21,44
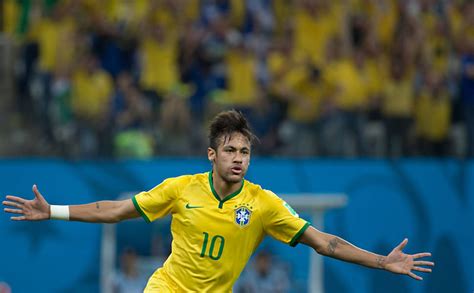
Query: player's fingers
x,y
420,269
423,263
36,191
14,211
12,204
16,199
402,244
423,254
416,277
20,218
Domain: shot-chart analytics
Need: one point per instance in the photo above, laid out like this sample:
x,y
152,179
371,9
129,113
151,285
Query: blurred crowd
x,y
342,78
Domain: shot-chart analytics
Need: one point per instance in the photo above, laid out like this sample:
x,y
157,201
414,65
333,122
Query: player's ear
x,y
211,154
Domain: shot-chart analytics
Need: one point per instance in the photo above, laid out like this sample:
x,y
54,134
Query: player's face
x,y
232,158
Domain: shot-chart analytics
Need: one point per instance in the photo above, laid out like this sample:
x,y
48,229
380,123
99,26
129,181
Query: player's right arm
x,y
38,209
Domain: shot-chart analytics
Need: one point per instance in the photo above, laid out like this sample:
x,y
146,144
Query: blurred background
x,y
370,98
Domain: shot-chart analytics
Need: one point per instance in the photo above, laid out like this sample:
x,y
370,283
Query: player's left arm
x,y
395,262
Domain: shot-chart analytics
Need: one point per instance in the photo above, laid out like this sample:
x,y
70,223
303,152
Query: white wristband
x,y
59,212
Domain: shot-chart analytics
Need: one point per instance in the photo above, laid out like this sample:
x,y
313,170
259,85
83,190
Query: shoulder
x,y
260,192
178,182
253,188
173,186
184,180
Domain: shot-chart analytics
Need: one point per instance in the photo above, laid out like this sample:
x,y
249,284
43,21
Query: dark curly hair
x,y
227,122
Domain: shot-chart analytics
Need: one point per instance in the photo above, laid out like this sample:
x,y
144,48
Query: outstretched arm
x,y
38,209
396,262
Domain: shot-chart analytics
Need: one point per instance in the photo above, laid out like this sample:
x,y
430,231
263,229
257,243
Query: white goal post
x,y
314,204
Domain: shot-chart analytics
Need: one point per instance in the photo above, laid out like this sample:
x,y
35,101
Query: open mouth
x,y
236,170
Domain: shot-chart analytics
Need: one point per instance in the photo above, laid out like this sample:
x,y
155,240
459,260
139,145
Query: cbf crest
x,y
242,216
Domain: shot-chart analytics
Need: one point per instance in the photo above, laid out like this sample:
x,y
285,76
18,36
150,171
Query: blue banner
x,y
431,202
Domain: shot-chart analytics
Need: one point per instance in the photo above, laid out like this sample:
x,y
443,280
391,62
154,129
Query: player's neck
x,y
222,187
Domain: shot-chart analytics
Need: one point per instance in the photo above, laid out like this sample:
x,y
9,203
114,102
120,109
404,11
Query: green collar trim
x,y
230,196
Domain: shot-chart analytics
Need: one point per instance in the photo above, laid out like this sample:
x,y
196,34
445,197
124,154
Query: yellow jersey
x,y
242,81
159,68
212,238
91,93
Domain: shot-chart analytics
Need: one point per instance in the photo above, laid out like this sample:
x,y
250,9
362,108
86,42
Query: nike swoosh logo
x,y
188,206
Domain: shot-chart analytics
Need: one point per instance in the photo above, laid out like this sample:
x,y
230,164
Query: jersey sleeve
x,y
159,201
280,221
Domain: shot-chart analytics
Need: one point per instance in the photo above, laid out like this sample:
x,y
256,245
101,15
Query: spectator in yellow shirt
x,y
158,60
349,82
242,81
384,15
315,24
91,95
433,116
11,14
54,36
92,90
397,108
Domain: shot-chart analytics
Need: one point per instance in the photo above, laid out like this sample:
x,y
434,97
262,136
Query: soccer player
x,y
218,219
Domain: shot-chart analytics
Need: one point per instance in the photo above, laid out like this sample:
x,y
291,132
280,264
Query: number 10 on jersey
x,y
212,248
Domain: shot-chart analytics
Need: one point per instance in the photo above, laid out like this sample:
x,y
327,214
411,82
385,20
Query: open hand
x,y
36,209
401,263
